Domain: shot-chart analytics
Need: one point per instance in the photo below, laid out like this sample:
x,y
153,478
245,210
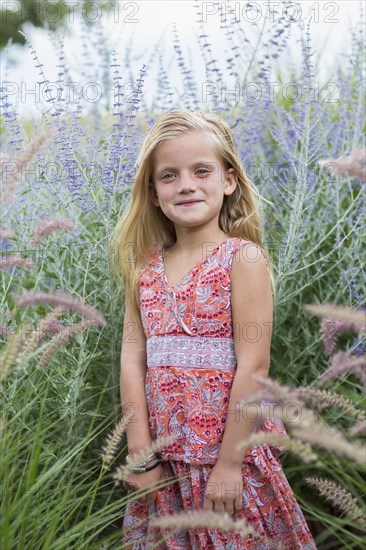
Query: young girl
x,y
197,325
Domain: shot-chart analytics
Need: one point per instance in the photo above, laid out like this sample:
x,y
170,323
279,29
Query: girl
x,y
197,325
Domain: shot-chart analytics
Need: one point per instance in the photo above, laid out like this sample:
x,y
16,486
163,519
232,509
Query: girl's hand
x,y
136,482
224,490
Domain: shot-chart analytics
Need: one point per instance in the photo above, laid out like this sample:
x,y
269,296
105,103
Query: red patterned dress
x,y
191,368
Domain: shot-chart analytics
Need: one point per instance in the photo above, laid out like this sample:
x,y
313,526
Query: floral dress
x,y
191,368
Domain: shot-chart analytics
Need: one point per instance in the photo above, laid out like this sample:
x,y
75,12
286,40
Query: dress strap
x,y
228,251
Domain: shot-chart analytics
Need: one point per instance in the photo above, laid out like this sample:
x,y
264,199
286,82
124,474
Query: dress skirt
x,y
269,506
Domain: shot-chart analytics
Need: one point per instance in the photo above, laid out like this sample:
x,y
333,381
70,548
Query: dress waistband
x,y
206,352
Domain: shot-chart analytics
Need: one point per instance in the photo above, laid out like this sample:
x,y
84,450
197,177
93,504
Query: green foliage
x,y
41,13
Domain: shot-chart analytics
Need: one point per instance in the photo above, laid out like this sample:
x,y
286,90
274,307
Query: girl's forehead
x,y
194,142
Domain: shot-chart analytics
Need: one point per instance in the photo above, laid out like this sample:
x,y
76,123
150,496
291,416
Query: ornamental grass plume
x,y
325,398
358,318
193,519
13,169
123,471
341,498
359,429
4,331
341,318
273,389
302,450
331,328
38,334
54,327
353,165
114,439
10,351
330,439
62,299
6,233
8,261
304,426
49,226
343,362
62,339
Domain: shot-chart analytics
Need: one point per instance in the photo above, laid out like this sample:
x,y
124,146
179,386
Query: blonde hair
x,y
144,225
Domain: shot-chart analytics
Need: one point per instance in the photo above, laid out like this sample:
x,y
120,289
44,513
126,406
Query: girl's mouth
x,y
189,203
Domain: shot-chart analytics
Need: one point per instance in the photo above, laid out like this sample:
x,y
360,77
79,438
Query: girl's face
x,y
188,169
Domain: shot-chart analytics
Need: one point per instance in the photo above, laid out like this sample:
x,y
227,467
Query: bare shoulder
x,y
250,278
250,258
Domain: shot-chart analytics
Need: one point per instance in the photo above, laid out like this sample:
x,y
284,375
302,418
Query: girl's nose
x,y
187,182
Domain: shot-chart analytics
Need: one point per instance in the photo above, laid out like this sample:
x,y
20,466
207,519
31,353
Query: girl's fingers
x,y
238,505
208,505
219,506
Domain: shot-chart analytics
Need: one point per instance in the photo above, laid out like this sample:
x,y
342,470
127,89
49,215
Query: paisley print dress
x,y
191,368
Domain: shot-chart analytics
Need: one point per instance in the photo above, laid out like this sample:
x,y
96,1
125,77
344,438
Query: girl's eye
x,y
200,171
167,176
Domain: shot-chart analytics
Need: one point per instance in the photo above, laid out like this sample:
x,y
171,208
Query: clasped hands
x,y
224,490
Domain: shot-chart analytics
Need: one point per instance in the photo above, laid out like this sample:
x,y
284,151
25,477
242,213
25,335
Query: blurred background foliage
x,y
42,13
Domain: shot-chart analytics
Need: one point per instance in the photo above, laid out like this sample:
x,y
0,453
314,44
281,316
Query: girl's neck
x,y
189,245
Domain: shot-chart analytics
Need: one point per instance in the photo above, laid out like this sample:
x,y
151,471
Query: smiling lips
x,y
188,203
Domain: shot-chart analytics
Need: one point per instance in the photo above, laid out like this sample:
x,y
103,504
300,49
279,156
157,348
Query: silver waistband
x,y
204,352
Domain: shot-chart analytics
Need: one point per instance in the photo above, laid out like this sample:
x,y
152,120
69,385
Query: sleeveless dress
x,y
191,368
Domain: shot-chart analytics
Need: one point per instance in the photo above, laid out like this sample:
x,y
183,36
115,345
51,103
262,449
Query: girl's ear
x,y
231,181
153,194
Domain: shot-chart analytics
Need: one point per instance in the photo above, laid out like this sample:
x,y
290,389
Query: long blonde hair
x,y
144,225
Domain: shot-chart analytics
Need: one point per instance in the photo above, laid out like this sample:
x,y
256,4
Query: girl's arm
x,y
132,383
252,316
